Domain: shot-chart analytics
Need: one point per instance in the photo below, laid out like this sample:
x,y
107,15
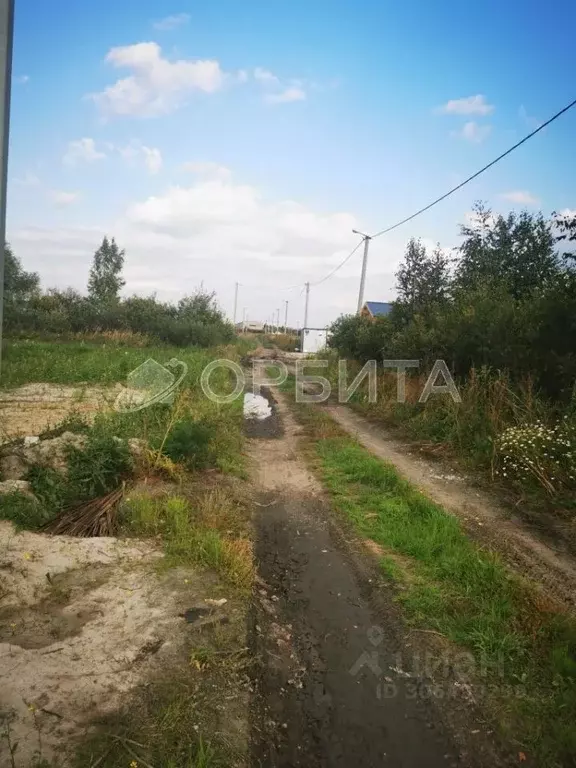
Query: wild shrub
x,y
49,487
98,467
189,443
24,511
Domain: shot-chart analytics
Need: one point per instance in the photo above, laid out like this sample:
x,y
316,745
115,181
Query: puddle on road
x,y
256,407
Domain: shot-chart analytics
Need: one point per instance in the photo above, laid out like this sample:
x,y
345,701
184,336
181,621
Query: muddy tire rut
x,y
330,682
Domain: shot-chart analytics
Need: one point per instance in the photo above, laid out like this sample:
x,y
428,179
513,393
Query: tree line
x,y
504,299
194,320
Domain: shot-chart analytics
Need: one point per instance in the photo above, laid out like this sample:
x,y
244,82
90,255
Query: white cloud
x,y
152,159
82,150
264,76
472,105
172,22
156,85
286,96
22,79
135,151
473,132
276,91
62,256
216,230
208,170
236,213
520,197
63,199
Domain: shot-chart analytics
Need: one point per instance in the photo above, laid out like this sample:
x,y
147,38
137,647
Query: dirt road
x,y
331,687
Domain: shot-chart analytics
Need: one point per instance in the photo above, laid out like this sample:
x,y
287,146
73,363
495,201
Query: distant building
x,y
313,340
374,309
252,326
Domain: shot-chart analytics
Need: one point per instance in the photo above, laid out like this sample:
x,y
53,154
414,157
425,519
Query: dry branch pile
x,y
91,518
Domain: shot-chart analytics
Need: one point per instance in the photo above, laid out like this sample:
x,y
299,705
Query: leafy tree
x,y
105,281
565,223
200,307
517,252
511,305
19,288
195,320
361,338
19,285
422,280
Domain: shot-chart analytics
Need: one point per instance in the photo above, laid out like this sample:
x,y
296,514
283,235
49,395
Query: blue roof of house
x,y
377,308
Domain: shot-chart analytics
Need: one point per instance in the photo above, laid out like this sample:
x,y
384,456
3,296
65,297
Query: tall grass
x,y
210,529
28,361
489,404
470,430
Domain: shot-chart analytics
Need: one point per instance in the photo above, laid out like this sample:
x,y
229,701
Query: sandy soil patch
x,y
82,622
34,408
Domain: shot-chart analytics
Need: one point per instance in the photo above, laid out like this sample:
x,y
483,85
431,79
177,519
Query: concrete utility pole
x,y
244,321
286,317
306,307
278,320
367,239
235,302
6,43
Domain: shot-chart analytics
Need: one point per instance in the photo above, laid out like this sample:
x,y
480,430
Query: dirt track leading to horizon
x,y
331,687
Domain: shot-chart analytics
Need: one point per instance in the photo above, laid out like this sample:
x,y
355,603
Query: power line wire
x,y
329,275
475,175
441,198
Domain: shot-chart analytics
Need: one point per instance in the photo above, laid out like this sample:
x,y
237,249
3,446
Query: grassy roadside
x,y
506,434
449,585
203,523
185,490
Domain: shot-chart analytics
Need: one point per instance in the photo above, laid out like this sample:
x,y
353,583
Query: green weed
x,y
163,727
98,467
195,431
49,487
199,531
189,442
77,362
24,511
92,471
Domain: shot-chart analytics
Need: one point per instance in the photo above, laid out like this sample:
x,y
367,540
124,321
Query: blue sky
x,y
231,141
